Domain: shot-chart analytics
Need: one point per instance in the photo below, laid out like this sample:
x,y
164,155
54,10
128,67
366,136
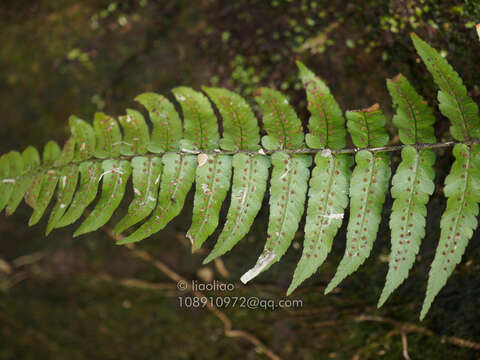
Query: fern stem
x,y
390,148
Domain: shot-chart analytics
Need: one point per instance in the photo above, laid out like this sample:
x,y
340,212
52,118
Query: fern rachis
x,y
165,162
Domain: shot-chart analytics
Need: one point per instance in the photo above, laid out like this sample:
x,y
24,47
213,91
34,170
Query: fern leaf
x,y
213,178
67,184
11,166
67,178
212,184
240,132
288,188
412,186
328,193
67,154
45,194
115,177
290,175
167,126
136,137
414,118
108,135
200,123
47,183
84,136
240,126
90,173
147,173
280,121
33,189
31,160
328,198
368,187
412,183
459,220
48,179
179,171
51,153
454,101
326,125
8,181
367,127
177,179
249,184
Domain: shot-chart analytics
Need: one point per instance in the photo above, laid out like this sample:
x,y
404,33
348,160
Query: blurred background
x,y
86,298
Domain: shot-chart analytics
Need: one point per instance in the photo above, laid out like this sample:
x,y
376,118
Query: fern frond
x,y
165,161
368,187
412,183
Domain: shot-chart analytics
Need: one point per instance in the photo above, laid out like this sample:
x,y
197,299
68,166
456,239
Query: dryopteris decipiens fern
x,y
165,162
